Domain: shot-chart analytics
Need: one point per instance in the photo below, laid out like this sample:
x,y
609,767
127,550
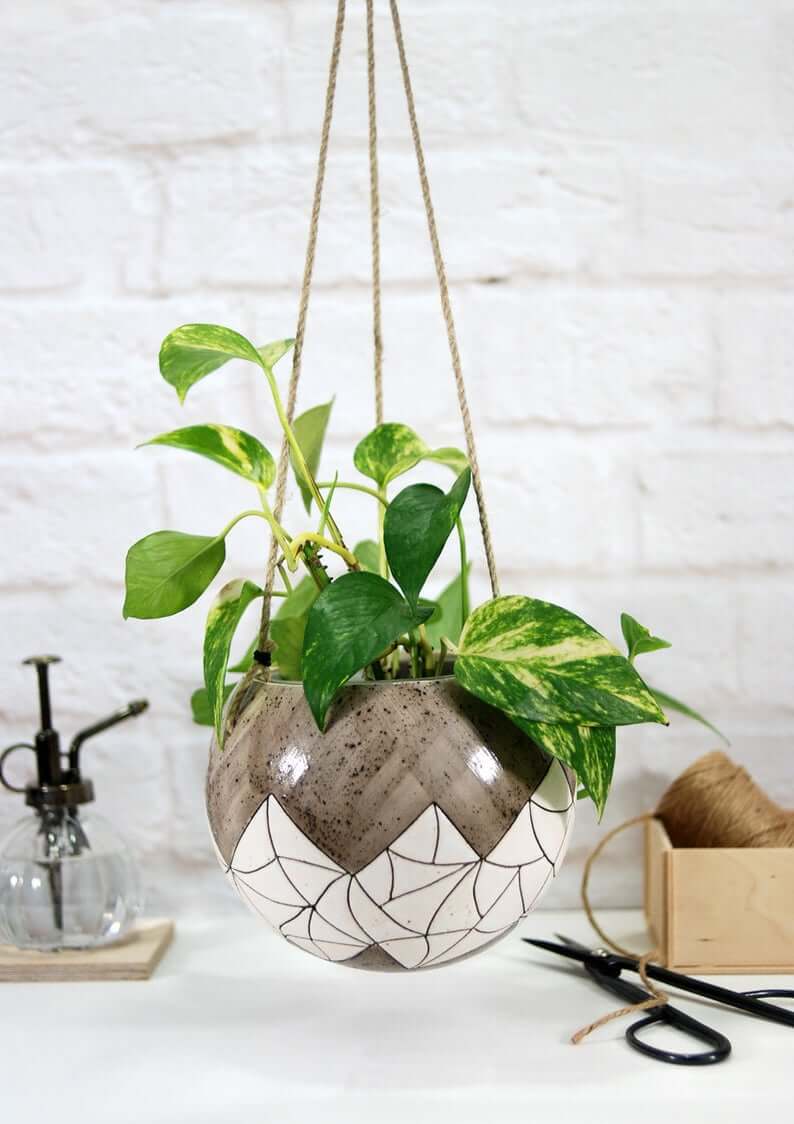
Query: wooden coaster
x,y
133,958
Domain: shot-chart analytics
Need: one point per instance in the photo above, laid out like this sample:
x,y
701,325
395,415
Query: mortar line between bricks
x,y
78,294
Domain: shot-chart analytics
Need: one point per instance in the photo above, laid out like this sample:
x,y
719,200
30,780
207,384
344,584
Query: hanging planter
x,y
392,782
419,828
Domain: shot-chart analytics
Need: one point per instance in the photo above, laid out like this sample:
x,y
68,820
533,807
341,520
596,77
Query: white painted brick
x,y
155,76
555,507
460,71
243,221
89,374
766,653
706,220
756,360
717,510
72,225
694,79
69,518
589,357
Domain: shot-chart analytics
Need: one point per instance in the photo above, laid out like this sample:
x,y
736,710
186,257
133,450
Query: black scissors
x,y
605,969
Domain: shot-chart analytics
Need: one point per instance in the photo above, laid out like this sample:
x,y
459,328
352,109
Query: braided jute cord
x,y
374,208
446,307
300,332
303,307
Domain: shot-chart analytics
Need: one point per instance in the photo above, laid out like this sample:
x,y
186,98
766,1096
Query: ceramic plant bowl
x,y
418,829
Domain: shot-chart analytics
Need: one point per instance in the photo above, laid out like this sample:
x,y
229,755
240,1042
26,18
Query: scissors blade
x,y
571,943
572,952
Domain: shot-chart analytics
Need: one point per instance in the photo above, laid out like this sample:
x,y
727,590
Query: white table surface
x,y
236,1025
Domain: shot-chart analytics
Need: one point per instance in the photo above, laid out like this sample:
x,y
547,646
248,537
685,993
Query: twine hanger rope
x,y
308,272
713,803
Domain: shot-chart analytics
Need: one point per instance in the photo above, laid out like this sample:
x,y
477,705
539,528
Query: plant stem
x,y
281,536
382,560
354,487
426,646
237,518
324,515
464,573
310,537
414,657
297,453
442,658
285,577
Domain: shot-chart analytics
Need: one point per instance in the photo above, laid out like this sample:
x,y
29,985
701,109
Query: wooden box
x,y
720,909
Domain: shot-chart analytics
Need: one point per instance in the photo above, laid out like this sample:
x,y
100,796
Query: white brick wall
x,y
614,187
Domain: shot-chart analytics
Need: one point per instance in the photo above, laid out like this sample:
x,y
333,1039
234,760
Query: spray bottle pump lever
x,y
137,706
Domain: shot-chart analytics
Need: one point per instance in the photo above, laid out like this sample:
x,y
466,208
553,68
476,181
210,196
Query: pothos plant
x,y
551,673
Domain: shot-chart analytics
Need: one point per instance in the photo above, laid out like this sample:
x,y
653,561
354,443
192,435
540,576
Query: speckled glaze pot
x,y
417,830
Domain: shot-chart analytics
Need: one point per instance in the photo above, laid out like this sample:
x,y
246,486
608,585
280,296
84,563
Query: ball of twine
x,y
715,803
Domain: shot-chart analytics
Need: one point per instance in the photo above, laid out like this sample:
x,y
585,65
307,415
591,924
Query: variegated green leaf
x,y
638,638
288,627
192,352
270,353
309,429
416,526
447,620
368,555
352,621
200,704
392,449
537,661
232,448
167,571
669,703
222,620
589,750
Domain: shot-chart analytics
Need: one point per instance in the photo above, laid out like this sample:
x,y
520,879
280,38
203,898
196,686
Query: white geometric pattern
x,y
427,899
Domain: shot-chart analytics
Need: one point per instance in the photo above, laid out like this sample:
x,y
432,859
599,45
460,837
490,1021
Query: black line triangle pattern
x,y
427,899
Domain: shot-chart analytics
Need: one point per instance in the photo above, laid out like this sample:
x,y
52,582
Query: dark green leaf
x,y
588,750
288,635
288,628
200,704
168,571
669,703
222,621
537,661
392,449
192,352
352,621
416,526
447,620
233,448
368,554
309,429
638,638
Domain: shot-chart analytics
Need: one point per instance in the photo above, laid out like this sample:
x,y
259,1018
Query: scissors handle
x,y
720,1046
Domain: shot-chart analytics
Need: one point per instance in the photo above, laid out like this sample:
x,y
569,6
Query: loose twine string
x,y
308,272
713,803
